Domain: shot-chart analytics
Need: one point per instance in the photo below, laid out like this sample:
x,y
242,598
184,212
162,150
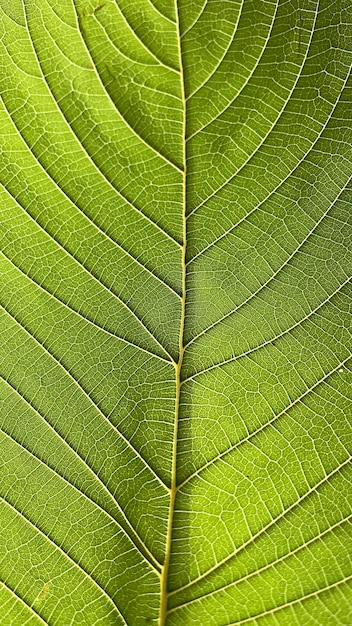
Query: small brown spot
x,y
43,593
99,8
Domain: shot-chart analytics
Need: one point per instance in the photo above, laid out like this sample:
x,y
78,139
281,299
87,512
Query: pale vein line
x,y
277,561
281,183
104,180
230,103
55,44
270,341
112,103
162,14
59,18
89,219
91,275
271,278
80,315
119,51
292,602
279,116
178,365
22,601
156,567
76,564
91,471
10,17
168,67
215,68
156,92
86,394
196,19
81,146
266,424
274,521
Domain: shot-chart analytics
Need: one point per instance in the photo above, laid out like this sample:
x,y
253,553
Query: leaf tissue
x,y
175,355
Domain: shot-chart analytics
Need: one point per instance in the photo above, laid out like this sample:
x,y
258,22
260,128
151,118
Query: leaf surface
x,y
175,398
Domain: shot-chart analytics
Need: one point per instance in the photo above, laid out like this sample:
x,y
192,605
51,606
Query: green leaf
x,y
175,359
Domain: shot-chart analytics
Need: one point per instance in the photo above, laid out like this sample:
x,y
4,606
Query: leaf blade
x,y
174,418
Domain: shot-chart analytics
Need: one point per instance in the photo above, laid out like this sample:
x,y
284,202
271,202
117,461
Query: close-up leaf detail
x,y
175,391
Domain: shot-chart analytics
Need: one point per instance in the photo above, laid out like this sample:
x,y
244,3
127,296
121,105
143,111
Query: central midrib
x,y
178,364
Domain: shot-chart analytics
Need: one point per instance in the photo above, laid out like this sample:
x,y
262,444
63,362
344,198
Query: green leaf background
x,y
175,335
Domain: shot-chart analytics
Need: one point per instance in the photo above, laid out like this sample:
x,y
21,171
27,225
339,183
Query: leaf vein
x,y
137,542
264,568
293,602
80,315
75,563
265,425
23,601
275,274
90,274
222,57
112,103
268,132
229,104
264,529
85,394
134,34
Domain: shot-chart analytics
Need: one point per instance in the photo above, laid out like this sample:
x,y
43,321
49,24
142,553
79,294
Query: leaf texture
x,y
175,398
